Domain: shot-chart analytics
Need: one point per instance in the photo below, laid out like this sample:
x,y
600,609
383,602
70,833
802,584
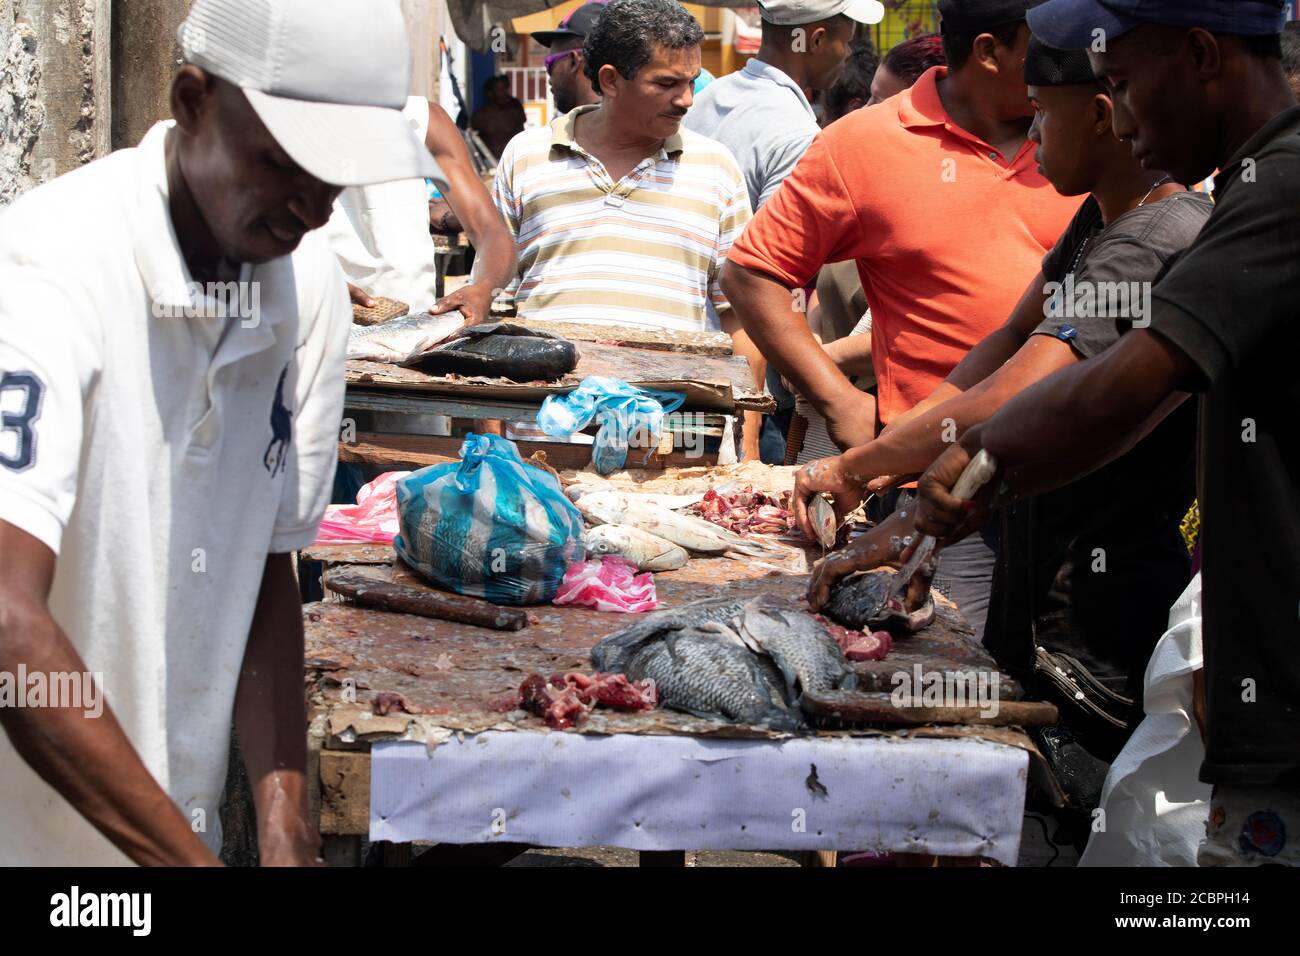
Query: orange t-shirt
x,y
945,231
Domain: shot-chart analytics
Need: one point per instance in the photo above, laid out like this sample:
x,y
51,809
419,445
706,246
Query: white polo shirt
x,y
380,233
162,459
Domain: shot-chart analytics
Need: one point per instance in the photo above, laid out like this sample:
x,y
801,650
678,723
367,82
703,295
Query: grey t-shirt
x,y
1094,266
762,116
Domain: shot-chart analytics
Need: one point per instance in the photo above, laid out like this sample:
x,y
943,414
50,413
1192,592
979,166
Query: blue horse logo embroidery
x,y
281,430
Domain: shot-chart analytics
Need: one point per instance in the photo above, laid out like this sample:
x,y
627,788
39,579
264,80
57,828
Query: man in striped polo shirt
x,y
620,215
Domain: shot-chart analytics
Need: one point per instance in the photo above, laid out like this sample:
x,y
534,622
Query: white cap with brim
x,y
328,78
795,12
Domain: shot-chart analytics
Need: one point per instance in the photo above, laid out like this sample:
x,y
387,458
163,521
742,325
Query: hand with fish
x,y
941,513
474,301
880,547
827,476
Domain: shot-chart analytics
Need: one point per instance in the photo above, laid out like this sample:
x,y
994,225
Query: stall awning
x,y
473,19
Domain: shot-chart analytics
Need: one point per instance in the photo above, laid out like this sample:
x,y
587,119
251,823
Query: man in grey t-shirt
x,y
761,113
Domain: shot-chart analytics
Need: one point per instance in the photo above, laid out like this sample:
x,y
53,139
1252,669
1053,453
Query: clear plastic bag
x,y
489,526
621,410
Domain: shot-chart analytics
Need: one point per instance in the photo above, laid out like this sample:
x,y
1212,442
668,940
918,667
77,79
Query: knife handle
x,y
975,475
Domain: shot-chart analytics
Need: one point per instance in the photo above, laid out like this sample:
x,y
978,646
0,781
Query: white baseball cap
x,y
329,79
794,12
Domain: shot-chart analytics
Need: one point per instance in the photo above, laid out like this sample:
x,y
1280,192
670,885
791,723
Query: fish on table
x,y
647,551
397,340
748,661
869,601
686,531
576,493
499,350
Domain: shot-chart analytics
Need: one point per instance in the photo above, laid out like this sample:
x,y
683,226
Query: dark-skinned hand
x,y
474,302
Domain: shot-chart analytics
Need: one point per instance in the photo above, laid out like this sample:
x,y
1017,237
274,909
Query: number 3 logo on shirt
x,y
19,455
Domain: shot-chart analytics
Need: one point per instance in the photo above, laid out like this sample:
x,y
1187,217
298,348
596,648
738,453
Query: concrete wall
x,y
54,89
424,23
79,78
144,57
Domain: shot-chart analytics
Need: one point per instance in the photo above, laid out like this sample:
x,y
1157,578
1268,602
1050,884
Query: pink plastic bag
x,y
372,518
610,584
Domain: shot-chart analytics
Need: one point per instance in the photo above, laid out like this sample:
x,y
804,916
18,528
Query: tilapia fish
x,y
805,652
866,602
746,661
397,340
500,350
687,531
647,551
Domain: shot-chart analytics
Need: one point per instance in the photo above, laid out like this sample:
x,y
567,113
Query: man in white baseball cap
x,y
170,438
794,13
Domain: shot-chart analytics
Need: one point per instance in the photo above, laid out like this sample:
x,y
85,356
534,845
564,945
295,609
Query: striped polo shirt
x,y
645,251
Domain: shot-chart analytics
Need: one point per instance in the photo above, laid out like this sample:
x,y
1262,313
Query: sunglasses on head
x,y
555,58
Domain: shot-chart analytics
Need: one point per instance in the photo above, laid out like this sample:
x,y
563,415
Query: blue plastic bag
x,y
488,526
621,410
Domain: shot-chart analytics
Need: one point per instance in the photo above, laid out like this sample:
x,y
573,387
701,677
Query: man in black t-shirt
x,y
1198,85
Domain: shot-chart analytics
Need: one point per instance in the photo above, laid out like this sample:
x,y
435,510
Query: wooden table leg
x,y
341,850
674,858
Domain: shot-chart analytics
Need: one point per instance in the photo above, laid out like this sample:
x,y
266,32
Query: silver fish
x,y
823,520
647,551
688,531
398,340
671,502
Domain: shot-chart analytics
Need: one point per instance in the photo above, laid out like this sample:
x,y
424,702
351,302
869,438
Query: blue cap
x,y
1073,24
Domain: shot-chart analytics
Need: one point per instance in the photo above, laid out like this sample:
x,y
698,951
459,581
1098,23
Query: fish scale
x,y
747,660
804,651
706,674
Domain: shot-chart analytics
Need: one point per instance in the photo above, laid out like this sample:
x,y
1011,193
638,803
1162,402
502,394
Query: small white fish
x,y
823,520
401,339
671,502
647,551
687,531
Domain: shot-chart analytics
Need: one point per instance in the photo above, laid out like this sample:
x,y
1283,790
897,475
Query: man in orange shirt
x,y
936,194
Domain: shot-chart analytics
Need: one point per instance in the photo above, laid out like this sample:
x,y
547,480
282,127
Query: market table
x,y
454,768
718,388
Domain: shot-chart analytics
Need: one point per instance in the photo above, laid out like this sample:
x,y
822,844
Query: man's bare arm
x,y
271,720
88,760
495,256
852,354
763,307
1077,420
910,448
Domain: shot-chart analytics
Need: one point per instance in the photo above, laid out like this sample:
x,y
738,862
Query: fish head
x,y
606,539
881,607
602,507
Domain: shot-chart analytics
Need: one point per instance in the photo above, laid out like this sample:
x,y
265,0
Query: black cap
x,y
1047,66
1078,23
577,25
977,16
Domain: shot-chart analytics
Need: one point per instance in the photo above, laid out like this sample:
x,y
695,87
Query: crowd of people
x,y
1057,233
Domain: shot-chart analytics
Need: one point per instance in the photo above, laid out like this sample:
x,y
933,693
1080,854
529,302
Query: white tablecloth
x,y
942,796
